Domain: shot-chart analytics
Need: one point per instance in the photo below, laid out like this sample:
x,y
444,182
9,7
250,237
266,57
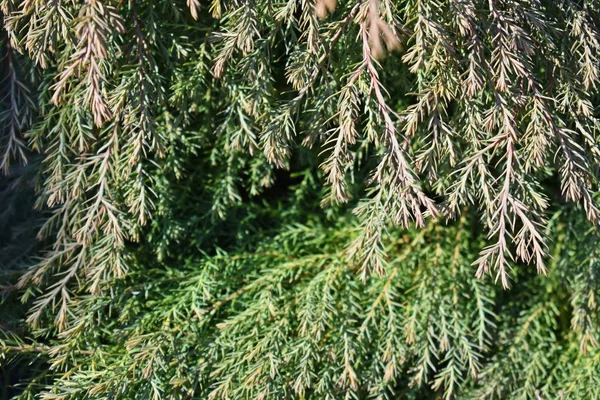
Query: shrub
x,y
314,200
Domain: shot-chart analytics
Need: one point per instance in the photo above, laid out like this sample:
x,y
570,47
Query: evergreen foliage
x,y
368,199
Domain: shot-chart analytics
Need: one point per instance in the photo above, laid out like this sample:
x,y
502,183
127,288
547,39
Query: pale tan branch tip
x,y
324,7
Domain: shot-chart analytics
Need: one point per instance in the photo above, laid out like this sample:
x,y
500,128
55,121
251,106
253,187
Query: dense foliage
x,y
368,199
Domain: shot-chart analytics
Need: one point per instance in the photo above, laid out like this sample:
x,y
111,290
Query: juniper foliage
x,y
298,199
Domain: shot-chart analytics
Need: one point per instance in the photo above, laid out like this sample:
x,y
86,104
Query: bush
x,y
314,200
